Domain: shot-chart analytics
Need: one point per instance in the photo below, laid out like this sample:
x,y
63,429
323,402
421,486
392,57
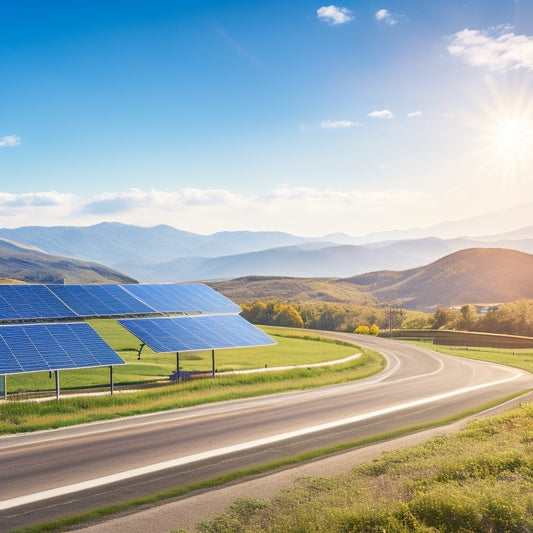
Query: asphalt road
x,y
53,474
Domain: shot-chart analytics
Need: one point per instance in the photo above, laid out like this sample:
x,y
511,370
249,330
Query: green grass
x,y
522,358
31,416
480,480
292,349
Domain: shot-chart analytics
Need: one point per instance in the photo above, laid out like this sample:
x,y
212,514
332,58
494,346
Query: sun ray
x,y
503,130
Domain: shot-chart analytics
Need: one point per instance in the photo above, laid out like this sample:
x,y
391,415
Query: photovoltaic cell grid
x,y
38,347
182,298
182,334
22,302
99,300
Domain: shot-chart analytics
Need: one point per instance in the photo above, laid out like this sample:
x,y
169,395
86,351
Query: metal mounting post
x,y
141,346
57,384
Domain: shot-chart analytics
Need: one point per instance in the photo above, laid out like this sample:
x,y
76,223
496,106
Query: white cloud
x,y
165,201
10,140
503,51
332,124
384,113
334,14
414,114
383,15
35,199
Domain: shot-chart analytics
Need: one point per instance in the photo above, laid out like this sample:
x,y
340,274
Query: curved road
x,y
54,474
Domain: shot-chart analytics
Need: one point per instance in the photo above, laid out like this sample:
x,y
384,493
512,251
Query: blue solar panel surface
x,y
99,300
182,334
182,298
38,347
22,302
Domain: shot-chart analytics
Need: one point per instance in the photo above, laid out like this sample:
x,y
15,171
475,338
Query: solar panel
x,y
182,298
38,347
22,302
182,334
99,300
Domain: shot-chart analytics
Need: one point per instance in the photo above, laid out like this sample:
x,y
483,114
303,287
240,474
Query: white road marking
x,y
180,461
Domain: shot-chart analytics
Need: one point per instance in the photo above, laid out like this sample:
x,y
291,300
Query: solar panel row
x,y
183,334
26,302
38,347
30,301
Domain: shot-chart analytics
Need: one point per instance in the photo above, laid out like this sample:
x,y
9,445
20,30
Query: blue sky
x,y
298,116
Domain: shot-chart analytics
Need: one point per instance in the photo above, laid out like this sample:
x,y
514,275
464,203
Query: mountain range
x,y
472,276
166,254
413,273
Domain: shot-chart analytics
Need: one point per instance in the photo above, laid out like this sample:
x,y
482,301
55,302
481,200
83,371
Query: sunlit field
x,y
478,481
519,358
153,367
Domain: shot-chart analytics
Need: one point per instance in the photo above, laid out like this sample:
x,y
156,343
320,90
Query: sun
x,y
513,138
501,126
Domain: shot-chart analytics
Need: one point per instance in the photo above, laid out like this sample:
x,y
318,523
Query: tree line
x,y
513,318
330,316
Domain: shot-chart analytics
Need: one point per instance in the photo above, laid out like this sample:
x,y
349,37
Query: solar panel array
x,y
26,347
38,347
45,302
202,332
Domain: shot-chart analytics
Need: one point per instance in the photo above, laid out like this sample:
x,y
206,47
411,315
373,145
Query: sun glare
x,y
514,137
503,131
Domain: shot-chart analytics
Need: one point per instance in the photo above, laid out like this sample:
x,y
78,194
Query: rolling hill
x,y
476,275
295,290
33,266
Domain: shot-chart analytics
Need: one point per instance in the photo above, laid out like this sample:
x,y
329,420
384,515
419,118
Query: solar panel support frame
x,y
213,361
4,387
57,383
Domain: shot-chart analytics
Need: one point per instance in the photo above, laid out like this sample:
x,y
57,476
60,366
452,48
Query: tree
x,y
468,318
288,316
373,330
362,330
442,318
257,313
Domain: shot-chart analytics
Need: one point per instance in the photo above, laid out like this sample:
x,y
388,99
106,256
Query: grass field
x,y
478,481
522,358
153,367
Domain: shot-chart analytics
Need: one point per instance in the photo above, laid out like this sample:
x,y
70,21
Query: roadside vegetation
x,y
522,358
294,349
480,480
